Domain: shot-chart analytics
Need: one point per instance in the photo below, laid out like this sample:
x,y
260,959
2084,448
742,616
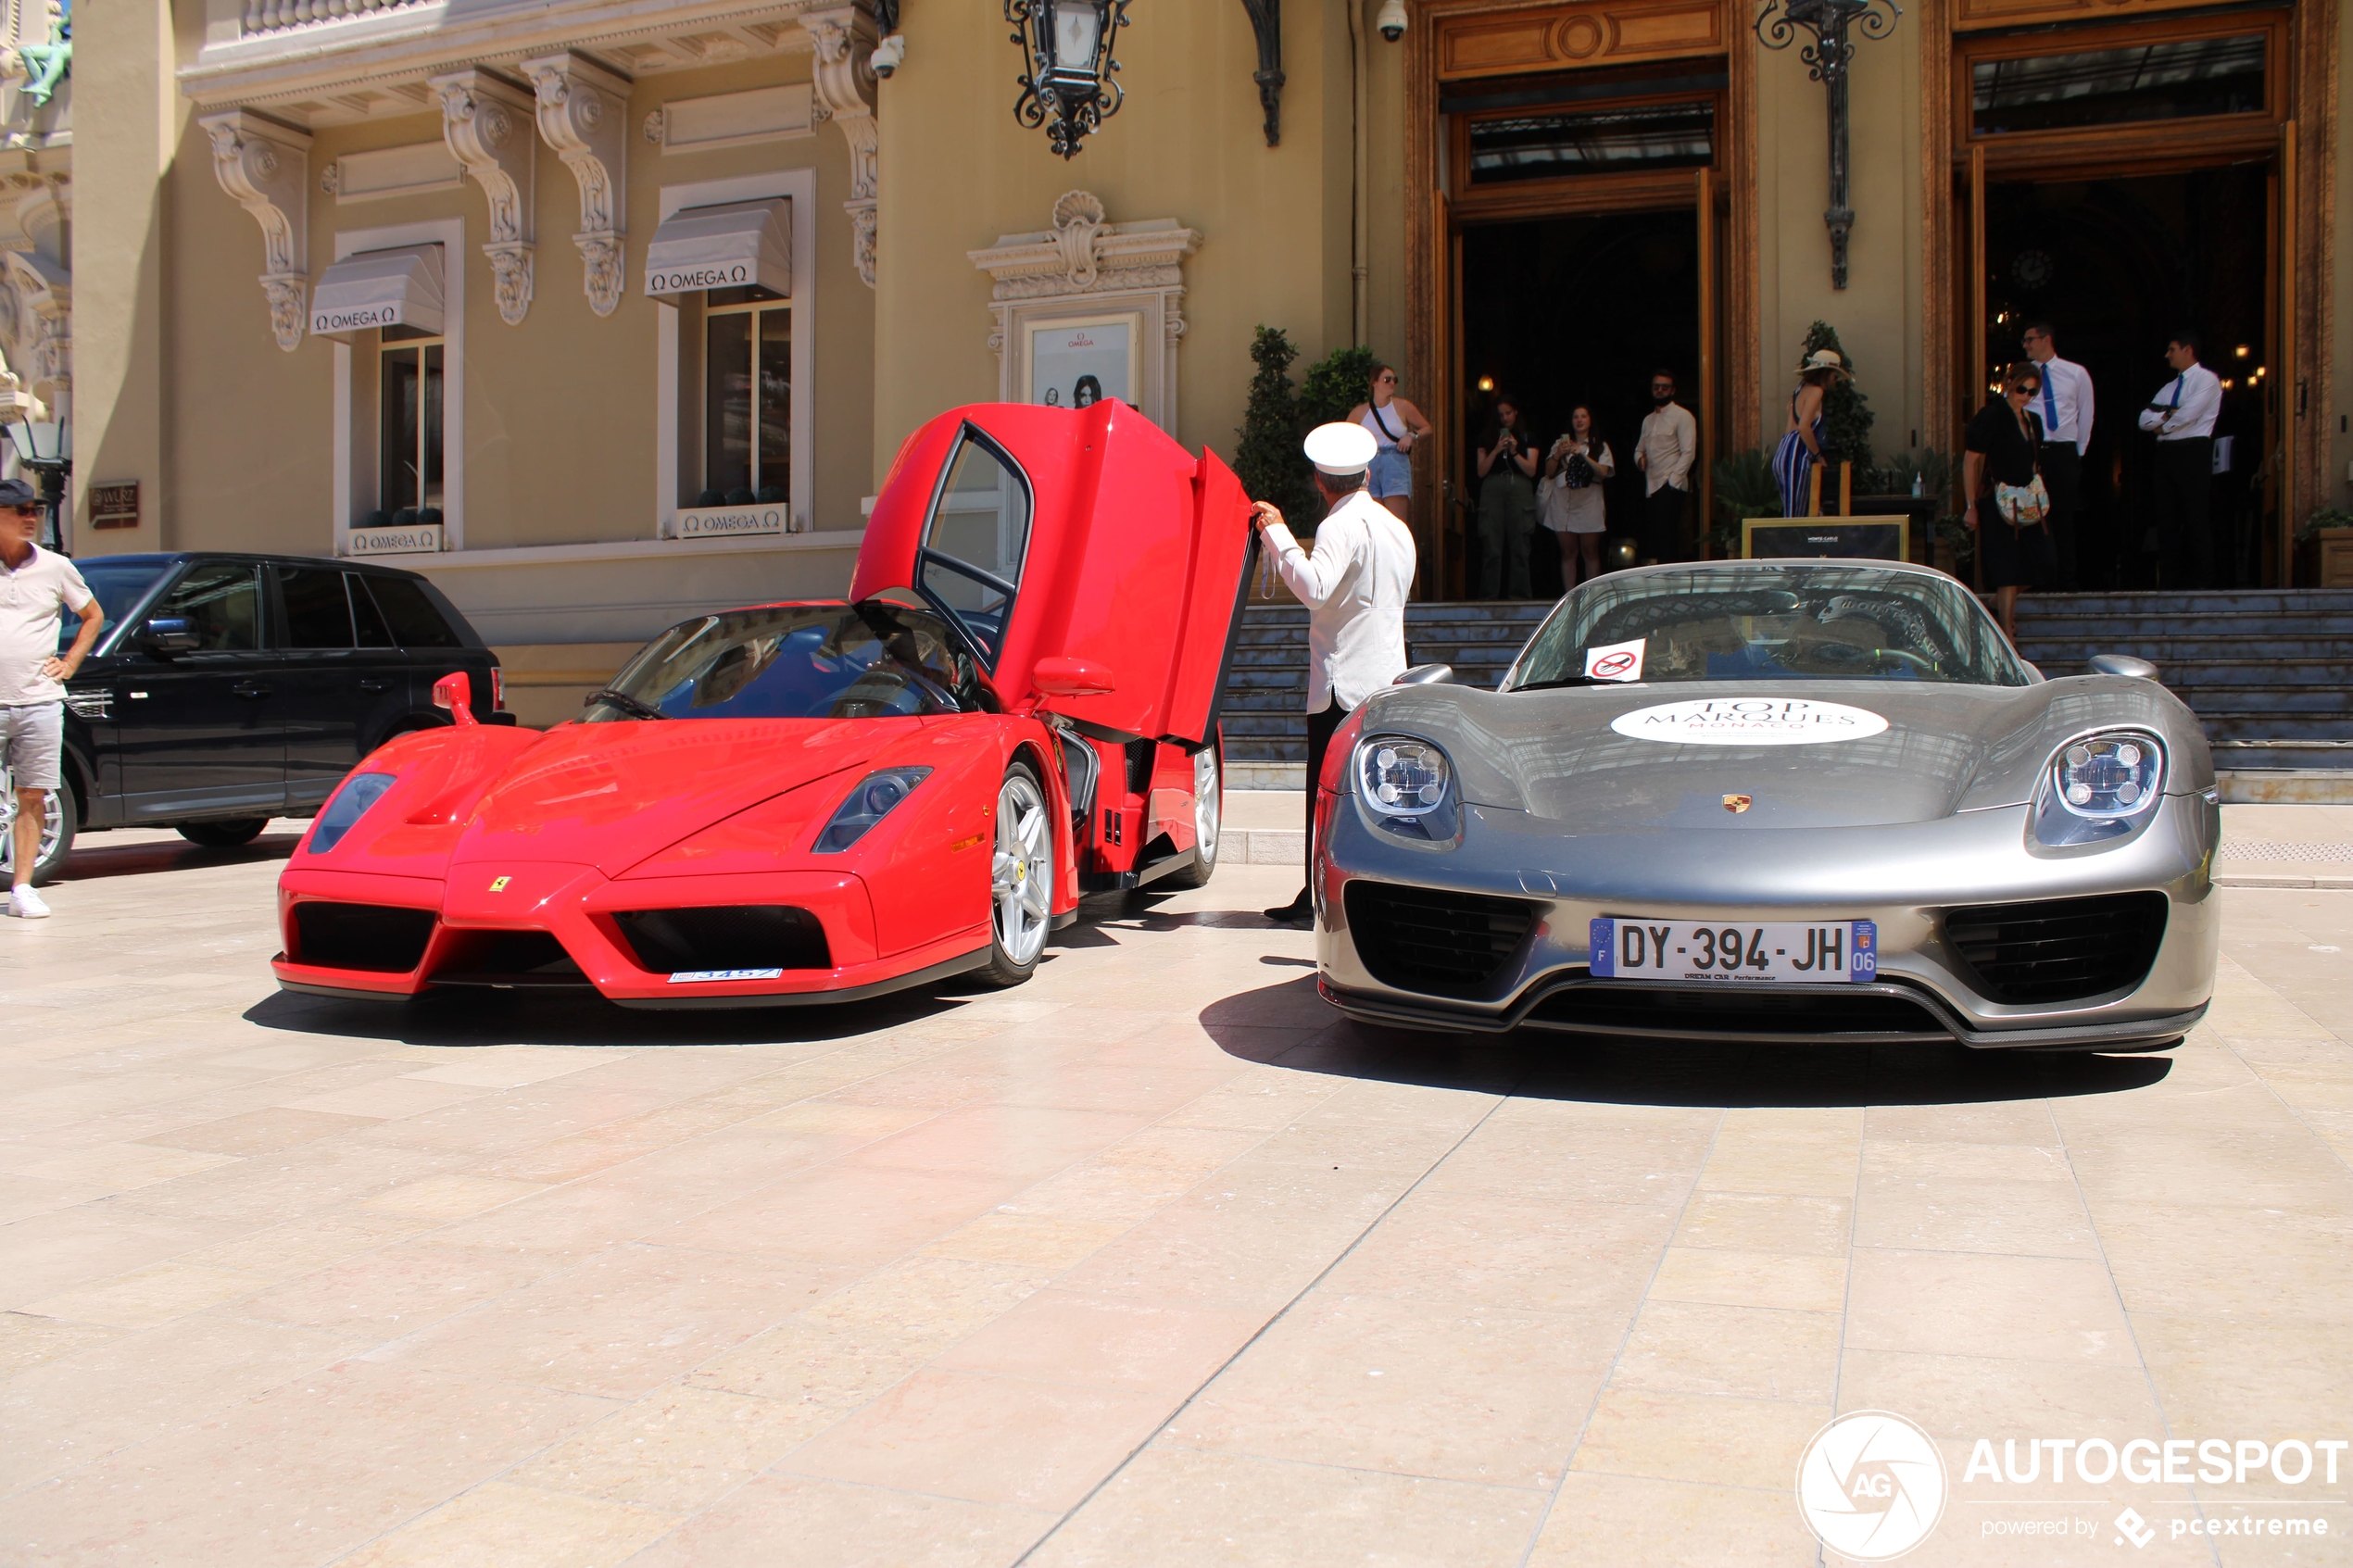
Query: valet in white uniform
x,y
1354,587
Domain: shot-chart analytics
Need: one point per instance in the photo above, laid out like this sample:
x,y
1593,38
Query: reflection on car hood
x,y
610,795
1945,749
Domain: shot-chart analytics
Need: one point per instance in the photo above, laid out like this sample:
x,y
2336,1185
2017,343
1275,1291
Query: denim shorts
x,y
1391,474
32,738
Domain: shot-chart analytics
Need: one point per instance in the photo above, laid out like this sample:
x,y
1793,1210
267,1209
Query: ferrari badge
x,y
498,884
1736,804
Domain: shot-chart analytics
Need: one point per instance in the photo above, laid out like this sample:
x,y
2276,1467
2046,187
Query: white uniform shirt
x,y
2065,402
2197,394
1354,587
31,598
1668,448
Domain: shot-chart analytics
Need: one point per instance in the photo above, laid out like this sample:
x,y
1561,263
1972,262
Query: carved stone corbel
x,y
266,168
843,81
485,122
582,110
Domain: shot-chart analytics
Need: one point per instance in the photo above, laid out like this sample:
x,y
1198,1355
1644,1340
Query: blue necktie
x,y
2177,388
2050,408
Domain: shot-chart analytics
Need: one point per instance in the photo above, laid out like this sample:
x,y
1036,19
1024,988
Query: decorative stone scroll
x,y
843,77
266,168
485,122
1086,266
583,109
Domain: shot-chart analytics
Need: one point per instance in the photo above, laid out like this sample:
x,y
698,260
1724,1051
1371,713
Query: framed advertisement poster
x,y
1077,360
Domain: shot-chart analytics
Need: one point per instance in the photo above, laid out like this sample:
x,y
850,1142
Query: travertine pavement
x,y
1152,1261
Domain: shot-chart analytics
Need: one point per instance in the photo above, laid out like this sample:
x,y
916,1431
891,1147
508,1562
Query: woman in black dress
x,y
1999,449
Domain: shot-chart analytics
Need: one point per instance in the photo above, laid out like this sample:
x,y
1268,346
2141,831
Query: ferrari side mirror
x,y
172,634
2123,664
1072,677
1426,675
455,692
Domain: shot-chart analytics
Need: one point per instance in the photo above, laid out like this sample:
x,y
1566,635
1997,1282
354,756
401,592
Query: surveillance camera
x,y
1391,21
887,54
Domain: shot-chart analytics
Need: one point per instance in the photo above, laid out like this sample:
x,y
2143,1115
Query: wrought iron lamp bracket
x,y
1069,104
1832,26
1266,21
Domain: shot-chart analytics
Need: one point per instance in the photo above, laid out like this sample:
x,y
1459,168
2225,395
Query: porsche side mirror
x,y
455,692
171,633
1072,677
1426,675
2123,664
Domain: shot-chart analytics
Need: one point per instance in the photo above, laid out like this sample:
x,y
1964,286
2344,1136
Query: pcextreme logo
x,y
1872,1486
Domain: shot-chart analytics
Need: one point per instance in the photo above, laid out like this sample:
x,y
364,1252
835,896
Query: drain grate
x,y
2273,850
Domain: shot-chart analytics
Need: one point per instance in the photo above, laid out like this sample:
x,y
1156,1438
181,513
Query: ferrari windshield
x,y
874,660
1769,621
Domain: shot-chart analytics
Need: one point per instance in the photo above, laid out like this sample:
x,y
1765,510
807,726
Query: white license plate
x,y
1632,947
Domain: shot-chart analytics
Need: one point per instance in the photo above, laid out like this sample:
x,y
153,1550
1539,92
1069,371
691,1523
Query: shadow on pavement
x,y
90,862
476,1017
1539,1064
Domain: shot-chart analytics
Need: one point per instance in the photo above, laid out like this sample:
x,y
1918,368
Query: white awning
x,y
379,288
722,248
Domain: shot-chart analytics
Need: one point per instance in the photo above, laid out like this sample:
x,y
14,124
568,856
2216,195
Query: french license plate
x,y
1630,947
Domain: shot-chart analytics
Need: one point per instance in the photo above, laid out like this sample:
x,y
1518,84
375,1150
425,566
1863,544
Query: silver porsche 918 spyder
x,y
1773,801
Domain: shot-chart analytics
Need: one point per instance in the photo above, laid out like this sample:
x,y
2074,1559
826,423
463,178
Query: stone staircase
x,y
2269,670
1267,690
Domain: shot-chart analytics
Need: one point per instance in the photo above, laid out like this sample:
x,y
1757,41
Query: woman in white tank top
x,y
1396,425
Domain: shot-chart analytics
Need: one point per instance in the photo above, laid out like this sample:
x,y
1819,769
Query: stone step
x,y
2263,600
2049,653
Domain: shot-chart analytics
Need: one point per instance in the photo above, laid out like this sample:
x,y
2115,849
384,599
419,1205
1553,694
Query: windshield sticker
x,y
1615,661
1749,721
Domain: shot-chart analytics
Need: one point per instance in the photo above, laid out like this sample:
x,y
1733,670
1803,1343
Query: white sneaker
x,y
25,904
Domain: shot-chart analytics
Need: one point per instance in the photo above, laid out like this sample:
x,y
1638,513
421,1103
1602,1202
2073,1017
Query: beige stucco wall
x,y
957,172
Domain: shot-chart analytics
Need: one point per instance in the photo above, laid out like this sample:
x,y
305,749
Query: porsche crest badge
x,y
1736,804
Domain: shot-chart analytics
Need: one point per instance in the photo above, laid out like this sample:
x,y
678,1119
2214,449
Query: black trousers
x,y
1320,727
1662,523
2184,533
2062,468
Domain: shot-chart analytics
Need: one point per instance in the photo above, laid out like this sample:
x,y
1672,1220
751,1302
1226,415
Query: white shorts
x,y
33,739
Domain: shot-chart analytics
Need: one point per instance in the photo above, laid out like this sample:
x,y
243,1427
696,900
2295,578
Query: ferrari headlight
x,y
1399,777
350,803
2099,786
872,801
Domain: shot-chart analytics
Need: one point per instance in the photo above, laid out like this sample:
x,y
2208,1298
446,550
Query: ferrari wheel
x,y
1209,809
57,824
1021,879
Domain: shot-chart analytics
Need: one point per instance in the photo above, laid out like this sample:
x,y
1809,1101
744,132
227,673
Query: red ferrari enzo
x,y
823,800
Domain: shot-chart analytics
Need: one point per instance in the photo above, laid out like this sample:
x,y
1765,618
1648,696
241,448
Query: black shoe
x,y
1299,911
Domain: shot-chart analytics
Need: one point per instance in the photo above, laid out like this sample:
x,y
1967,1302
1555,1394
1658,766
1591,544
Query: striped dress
x,y
1793,464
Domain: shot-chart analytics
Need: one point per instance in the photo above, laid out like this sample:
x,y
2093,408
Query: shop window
x,y
747,398
971,561
1547,144
409,453
2178,78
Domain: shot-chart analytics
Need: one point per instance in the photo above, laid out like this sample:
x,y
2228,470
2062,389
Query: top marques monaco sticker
x,y
1749,721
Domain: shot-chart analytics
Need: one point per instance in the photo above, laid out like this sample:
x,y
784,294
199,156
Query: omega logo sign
x,y
711,522
680,280
356,318
1749,721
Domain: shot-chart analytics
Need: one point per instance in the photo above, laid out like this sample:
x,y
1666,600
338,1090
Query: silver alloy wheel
x,y
1022,874
52,823
1207,805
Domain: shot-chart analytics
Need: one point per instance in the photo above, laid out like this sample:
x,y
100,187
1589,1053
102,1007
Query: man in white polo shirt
x,y
36,586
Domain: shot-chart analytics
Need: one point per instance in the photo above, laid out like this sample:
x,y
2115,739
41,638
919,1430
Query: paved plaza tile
x,y
1153,1261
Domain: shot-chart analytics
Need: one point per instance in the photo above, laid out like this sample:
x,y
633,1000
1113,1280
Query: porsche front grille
x,y
375,937
2060,949
1740,1013
724,936
1423,939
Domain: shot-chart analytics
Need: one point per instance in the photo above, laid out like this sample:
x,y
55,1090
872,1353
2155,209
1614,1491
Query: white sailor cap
x,y
1341,450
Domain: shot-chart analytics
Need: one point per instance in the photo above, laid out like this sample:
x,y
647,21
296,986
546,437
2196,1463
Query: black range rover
x,y
228,689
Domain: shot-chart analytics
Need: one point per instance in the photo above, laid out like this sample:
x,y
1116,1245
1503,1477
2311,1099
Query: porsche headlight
x,y
872,801
350,803
2099,787
1399,777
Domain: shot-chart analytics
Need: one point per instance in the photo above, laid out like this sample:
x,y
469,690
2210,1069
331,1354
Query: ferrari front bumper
x,y
1904,877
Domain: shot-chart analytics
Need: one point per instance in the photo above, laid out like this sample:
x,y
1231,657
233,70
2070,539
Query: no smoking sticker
x,y
1749,721
1615,661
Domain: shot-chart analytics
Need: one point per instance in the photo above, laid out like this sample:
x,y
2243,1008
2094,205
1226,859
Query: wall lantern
x,y
1068,87
1827,59
45,447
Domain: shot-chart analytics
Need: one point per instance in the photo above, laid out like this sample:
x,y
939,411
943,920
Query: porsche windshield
x,y
1769,621
874,660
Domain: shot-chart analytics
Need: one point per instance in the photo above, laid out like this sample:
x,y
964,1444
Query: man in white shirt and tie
x,y
1665,452
2182,414
1354,587
2065,404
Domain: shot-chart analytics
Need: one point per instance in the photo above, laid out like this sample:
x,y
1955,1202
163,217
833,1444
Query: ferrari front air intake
x,y
375,937
724,936
2059,950
1424,939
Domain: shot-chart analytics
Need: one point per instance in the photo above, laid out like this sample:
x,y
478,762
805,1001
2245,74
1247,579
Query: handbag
x,y
2023,506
